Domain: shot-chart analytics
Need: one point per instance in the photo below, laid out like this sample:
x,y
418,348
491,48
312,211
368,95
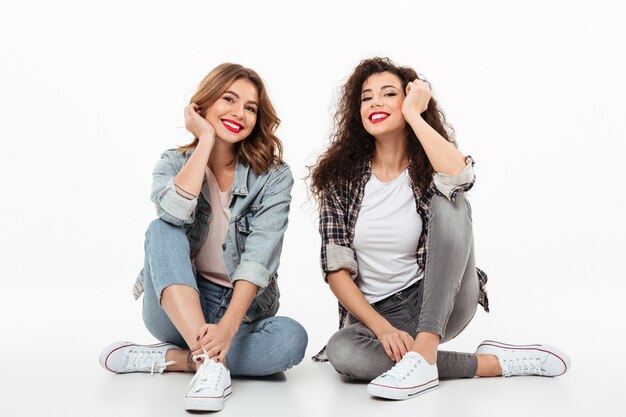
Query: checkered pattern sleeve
x,y
336,251
451,185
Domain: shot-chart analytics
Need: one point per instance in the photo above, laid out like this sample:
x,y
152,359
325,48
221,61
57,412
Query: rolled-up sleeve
x,y
263,246
170,206
336,252
450,185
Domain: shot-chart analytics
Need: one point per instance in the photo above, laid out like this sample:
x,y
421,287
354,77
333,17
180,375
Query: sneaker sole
x,y
557,353
207,403
394,393
114,347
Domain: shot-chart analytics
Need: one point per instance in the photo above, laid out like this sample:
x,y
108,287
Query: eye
x,y
229,99
251,109
391,94
364,99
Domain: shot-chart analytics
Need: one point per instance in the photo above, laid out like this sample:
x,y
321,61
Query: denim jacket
x,y
259,215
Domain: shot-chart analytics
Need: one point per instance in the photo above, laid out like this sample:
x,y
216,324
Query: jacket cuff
x,y
449,185
252,272
176,205
340,257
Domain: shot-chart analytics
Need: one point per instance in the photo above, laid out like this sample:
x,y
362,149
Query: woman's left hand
x,y
418,95
216,340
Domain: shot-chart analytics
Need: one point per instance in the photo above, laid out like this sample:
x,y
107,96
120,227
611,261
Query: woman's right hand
x,y
395,342
198,125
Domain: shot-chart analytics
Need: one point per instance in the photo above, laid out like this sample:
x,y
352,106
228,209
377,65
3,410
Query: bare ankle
x,y
488,365
183,361
427,344
428,355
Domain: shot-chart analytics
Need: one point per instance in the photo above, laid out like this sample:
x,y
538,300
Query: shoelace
x,y
208,374
143,360
522,366
403,368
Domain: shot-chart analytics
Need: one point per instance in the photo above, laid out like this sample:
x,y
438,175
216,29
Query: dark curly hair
x,y
350,144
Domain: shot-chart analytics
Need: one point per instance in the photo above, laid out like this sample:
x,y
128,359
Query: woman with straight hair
x,y
211,258
397,242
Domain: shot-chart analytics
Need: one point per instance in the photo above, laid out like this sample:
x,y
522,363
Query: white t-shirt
x,y
210,258
386,236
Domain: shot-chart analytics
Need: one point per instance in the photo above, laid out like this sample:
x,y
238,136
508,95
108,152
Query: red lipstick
x,y
232,125
378,116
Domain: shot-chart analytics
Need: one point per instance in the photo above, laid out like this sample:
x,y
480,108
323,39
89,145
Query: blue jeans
x,y
260,347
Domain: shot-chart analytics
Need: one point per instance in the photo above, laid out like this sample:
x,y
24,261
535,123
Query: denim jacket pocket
x,y
243,231
196,232
265,304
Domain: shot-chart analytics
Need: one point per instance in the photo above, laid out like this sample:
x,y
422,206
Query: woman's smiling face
x,y
234,114
382,96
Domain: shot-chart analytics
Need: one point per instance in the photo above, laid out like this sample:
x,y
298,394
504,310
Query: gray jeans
x,y
443,302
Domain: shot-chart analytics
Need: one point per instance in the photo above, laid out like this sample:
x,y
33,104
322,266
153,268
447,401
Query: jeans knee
x,y
159,228
340,354
357,354
293,340
161,233
300,340
460,207
450,219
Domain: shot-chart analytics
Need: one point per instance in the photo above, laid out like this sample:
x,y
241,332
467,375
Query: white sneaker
x,y
411,376
542,360
123,357
210,387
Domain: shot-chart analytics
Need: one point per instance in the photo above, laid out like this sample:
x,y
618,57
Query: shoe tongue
x,y
211,368
409,360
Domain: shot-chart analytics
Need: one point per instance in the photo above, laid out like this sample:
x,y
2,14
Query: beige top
x,y
210,258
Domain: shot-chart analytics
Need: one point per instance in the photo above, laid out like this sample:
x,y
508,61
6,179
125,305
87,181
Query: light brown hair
x,y
262,147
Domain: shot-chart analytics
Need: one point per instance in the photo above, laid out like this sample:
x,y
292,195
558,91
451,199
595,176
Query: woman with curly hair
x,y
397,243
211,258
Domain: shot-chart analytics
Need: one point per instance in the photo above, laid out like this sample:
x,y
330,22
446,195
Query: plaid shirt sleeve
x,y
451,185
336,252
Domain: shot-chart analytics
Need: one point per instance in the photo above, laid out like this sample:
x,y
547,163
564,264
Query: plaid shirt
x,y
340,208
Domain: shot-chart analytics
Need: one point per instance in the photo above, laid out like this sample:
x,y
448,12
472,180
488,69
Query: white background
x,y
92,92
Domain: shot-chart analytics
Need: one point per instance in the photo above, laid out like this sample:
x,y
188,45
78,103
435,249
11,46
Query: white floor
x,y
51,369
307,390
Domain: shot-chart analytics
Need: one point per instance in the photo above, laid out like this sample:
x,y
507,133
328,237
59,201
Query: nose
x,y
238,111
376,102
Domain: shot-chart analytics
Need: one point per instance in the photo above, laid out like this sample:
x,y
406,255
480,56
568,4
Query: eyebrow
x,y
237,95
369,90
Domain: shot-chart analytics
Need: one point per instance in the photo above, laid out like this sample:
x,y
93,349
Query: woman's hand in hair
x,y
418,95
395,342
198,125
